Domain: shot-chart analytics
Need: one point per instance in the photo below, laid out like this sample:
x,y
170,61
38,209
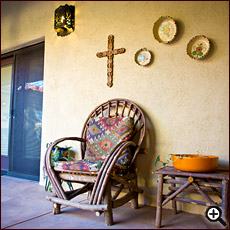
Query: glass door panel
x,y
6,77
27,110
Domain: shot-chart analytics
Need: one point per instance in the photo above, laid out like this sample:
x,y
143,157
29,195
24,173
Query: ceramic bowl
x,y
143,57
195,163
198,47
164,29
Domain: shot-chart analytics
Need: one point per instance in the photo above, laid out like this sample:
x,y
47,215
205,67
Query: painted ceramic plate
x,y
164,29
198,47
143,57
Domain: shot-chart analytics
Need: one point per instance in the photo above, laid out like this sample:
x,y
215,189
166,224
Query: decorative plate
x,y
198,47
143,57
164,29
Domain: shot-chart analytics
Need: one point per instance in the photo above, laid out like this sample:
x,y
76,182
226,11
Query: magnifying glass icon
x,y
213,214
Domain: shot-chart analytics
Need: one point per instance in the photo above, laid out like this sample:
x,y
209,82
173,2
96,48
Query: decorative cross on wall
x,y
109,54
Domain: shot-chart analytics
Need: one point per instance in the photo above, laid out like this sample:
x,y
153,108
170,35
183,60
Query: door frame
x,y
5,60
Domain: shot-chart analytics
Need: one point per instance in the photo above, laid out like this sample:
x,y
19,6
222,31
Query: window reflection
x,y
33,118
35,86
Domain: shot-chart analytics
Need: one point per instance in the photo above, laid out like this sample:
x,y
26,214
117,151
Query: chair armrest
x,y
49,150
56,182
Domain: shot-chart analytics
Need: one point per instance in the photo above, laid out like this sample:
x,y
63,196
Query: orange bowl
x,y
195,163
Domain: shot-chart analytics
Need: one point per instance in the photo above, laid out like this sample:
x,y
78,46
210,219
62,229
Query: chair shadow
x,y
145,162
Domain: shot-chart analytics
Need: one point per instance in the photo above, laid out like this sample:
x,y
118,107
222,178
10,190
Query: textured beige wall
x,y
185,101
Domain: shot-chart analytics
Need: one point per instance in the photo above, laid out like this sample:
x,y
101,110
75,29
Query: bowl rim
x,y
188,155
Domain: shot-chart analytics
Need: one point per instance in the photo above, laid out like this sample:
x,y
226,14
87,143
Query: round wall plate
x,y
143,57
164,29
198,47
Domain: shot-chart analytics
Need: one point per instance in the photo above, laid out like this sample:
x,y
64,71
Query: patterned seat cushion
x,y
103,135
89,166
80,165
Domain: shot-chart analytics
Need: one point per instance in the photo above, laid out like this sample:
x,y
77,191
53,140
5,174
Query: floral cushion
x,y
104,134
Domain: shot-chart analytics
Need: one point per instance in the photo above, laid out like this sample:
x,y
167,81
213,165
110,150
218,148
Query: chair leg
x,y
56,208
108,215
134,202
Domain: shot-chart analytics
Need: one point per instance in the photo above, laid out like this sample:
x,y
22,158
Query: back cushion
x,y
104,133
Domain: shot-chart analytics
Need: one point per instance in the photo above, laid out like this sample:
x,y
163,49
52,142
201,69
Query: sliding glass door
x,y
25,113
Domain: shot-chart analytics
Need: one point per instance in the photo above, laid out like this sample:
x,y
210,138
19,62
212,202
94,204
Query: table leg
x,y
225,201
174,207
159,201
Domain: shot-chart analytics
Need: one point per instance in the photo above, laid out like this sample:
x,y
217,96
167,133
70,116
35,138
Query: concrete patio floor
x,y
23,206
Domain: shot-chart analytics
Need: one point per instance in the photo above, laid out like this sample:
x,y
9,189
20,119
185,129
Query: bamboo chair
x,y
99,184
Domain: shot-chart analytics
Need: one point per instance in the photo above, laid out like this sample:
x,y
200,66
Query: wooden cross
x,y
109,54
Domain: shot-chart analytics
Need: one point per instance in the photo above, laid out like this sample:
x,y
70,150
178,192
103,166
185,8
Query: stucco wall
x,y
185,101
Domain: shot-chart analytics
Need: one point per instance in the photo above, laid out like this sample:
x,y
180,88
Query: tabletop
x,y
170,170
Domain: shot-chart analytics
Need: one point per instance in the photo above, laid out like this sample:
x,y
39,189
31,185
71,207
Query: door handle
x,y
8,117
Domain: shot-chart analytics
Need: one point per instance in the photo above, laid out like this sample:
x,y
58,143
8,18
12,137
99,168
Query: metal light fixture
x,y
64,17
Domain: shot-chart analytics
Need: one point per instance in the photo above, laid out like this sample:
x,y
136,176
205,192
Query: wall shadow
x,y
223,165
213,48
180,31
152,58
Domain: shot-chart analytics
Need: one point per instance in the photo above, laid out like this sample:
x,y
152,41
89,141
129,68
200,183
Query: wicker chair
x,y
99,184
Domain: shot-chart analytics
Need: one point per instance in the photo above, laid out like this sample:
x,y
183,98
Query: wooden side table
x,y
214,183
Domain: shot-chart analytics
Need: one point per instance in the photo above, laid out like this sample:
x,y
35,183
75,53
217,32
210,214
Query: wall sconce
x,y
64,20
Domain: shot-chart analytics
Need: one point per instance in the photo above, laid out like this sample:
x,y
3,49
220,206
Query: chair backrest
x,y
119,108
